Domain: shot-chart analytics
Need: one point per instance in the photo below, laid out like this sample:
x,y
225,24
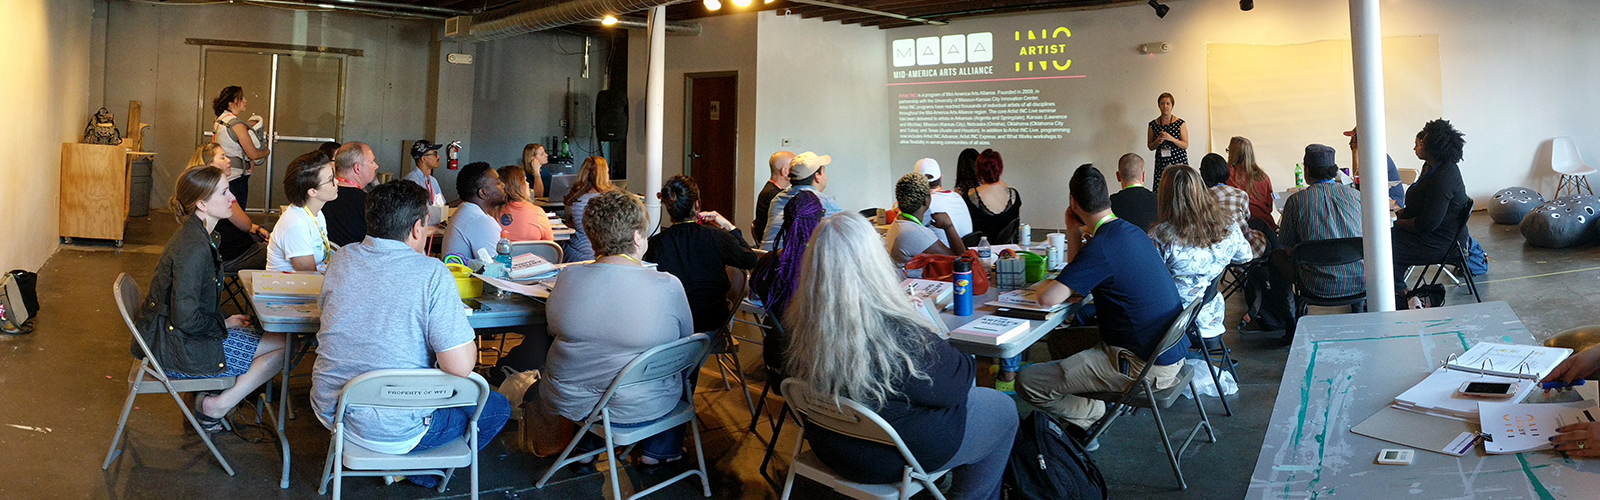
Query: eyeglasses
x,y
326,182
430,153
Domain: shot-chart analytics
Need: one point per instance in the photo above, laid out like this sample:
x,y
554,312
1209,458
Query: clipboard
x,y
1424,432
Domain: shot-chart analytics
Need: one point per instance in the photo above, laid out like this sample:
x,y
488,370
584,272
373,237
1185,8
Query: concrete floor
x,y
61,389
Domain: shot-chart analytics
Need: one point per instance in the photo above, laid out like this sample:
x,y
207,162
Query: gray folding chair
x,y
850,418
405,389
1143,394
147,377
655,364
547,250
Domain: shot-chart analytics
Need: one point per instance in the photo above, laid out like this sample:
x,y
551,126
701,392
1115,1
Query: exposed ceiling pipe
x,y
393,5
853,8
391,12
673,28
554,16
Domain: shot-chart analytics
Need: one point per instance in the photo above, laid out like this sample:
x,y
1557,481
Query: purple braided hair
x,y
800,218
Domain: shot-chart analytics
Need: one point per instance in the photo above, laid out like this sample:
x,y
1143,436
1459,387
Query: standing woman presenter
x,y
1168,137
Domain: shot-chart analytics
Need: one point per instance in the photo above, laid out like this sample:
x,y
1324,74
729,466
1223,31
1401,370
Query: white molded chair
x,y
662,361
1565,160
147,377
547,250
850,418
408,389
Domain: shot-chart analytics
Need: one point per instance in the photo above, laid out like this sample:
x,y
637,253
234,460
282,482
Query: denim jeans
x,y
667,445
450,424
979,465
1012,364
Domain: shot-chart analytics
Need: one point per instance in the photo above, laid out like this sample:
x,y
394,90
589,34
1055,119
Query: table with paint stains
x,y
1343,368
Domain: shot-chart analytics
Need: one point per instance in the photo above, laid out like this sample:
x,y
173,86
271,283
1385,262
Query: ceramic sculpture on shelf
x,y
1510,205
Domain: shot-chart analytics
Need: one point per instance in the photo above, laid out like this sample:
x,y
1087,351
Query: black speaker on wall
x,y
611,115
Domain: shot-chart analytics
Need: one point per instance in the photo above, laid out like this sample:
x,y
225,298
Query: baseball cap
x,y
421,148
807,164
928,167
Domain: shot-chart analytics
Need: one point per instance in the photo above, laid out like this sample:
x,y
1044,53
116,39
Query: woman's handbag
x,y
102,129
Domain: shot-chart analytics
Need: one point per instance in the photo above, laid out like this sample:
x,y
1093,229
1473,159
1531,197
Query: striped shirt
x,y
1324,211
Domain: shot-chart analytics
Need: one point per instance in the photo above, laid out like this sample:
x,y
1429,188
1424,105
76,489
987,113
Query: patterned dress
x,y
1167,153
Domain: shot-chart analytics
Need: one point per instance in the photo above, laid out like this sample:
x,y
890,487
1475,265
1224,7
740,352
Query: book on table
x,y
289,310
1521,365
1509,360
286,285
991,330
529,265
940,292
1024,299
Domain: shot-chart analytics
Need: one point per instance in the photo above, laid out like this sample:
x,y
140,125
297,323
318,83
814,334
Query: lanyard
x,y
1102,222
326,245
911,218
623,255
347,182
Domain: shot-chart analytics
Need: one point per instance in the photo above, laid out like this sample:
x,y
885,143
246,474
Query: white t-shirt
x,y
298,235
908,239
948,202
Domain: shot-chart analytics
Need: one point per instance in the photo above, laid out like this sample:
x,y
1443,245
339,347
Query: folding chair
x,y
414,389
1224,361
234,293
1143,394
850,418
148,377
1322,253
547,250
1454,256
658,363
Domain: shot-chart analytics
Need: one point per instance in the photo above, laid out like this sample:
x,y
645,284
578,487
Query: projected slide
x,y
973,89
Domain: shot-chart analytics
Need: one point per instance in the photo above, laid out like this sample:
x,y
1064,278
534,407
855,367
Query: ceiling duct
x,y
485,27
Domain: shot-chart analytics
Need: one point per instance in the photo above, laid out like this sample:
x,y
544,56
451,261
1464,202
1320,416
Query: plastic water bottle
x,y
963,287
983,248
1299,175
503,250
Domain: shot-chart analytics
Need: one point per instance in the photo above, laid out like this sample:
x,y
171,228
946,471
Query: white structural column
x,y
655,112
1366,40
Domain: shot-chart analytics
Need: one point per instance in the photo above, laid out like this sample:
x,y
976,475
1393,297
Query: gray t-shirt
x,y
384,305
908,239
601,317
471,229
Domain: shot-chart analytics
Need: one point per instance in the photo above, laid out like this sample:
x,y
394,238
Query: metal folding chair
x,y
855,420
405,389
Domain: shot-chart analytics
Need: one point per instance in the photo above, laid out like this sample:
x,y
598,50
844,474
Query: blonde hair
x,y
1242,158
203,155
1188,214
527,155
595,176
854,333
194,185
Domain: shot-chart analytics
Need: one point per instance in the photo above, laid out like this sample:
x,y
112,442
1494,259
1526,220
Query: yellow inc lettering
x,y
1044,49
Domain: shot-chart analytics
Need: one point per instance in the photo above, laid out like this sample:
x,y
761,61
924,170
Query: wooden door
x,y
711,155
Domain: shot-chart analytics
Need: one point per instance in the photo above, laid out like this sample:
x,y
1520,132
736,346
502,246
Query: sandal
x,y
211,425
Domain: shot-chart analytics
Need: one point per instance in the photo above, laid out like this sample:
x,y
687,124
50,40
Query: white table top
x,y
512,310
1009,349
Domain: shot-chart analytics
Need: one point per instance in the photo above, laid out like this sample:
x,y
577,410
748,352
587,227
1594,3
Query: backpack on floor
x,y
1266,298
19,301
1477,259
1047,463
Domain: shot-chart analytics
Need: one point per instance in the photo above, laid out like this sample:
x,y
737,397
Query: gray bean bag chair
x,y
1562,223
1511,204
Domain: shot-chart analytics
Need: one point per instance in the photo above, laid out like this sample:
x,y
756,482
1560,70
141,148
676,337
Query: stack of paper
x,y
1506,360
991,330
1518,428
938,292
1024,299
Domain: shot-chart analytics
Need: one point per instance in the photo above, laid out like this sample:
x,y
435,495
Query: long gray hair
x,y
854,333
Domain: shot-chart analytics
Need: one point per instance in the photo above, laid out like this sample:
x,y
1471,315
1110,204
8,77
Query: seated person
x,y
472,228
594,177
1198,240
594,338
699,248
386,305
777,182
1136,303
1134,203
807,172
240,242
425,156
995,206
300,240
524,220
354,167
777,274
181,318
888,358
1215,171
1246,175
908,237
945,201
1324,210
1397,192
1426,227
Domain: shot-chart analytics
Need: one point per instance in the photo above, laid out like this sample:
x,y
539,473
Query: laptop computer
x,y
560,185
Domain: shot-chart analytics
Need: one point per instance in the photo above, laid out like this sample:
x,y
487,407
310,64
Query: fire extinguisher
x,y
453,152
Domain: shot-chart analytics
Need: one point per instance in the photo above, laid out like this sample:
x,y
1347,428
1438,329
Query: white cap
x,y
928,167
806,164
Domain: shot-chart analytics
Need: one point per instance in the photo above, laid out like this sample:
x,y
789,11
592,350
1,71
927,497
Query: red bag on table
x,y
943,268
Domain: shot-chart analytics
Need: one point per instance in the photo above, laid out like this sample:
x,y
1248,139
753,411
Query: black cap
x,y
421,148
1318,155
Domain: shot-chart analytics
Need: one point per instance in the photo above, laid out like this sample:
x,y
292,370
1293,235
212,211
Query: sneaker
x,y
1006,387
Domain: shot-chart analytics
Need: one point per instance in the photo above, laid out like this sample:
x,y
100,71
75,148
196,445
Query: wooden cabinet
x,y
94,191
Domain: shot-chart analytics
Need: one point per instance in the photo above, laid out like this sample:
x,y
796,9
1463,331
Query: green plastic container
x,y
1035,263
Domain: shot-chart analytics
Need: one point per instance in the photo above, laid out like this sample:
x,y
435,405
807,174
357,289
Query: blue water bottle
x,y
963,287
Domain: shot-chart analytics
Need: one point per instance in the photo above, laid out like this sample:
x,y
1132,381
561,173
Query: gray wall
x,y
517,97
147,60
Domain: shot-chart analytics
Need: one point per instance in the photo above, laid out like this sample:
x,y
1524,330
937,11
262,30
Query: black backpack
x,y
1046,463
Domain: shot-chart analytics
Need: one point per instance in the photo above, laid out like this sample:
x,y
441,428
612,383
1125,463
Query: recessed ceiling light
x,y
713,5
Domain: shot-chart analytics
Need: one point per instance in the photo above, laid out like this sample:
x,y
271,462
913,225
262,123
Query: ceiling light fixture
x,y
1161,10
713,5
741,3
1247,4
609,20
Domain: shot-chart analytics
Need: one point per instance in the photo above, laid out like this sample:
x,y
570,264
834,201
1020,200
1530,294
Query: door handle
x,y
694,156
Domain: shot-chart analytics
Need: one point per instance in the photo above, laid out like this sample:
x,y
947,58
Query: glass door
x,y
299,96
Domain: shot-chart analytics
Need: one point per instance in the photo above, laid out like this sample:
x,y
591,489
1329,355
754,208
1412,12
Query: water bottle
x,y
503,250
1299,175
963,287
983,247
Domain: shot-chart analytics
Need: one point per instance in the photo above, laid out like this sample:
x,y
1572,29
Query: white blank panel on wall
x,y
1283,97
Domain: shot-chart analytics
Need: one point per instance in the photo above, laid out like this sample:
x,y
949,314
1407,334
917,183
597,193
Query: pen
x,y
1561,385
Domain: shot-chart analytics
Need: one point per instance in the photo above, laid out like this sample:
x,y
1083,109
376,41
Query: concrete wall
x,y
518,93
43,102
147,60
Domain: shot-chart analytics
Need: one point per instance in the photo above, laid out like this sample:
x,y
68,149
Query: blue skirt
x,y
238,351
